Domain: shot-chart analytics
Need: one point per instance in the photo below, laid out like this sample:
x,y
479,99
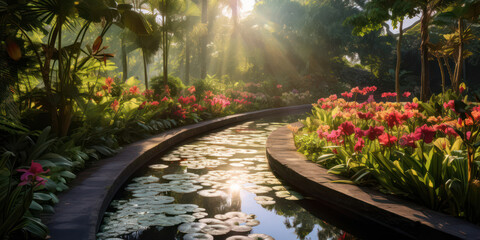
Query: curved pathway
x,y
80,210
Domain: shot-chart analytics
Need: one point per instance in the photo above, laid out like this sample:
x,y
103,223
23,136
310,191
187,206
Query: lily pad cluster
x,y
212,167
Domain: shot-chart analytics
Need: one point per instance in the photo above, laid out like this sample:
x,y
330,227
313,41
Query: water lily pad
x,y
260,236
191,227
158,166
212,193
289,195
216,229
182,176
241,228
197,236
264,200
238,237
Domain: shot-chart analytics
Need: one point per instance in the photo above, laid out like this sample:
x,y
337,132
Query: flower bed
x,y
426,152
37,165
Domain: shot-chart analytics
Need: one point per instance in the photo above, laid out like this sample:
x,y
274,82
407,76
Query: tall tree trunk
x,y
399,60
124,61
442,73
449,69
203,42
425,81
187,59
52,105
459,62
165,50
145,67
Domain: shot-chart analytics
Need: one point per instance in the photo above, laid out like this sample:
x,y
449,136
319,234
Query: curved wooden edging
x,y
80,210
407,219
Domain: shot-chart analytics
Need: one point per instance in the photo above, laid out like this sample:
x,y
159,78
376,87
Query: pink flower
x,y
333,97
365,116
32,175
333,136
279,86
374,132
450,105
411,106
142,106
370,99
359,145
387,140
347,95
360,133
426,133
394,118
191,89
164,99
134,90
409,140
347,128
406,94
154,103
389,94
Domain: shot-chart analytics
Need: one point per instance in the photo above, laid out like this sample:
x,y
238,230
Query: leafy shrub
x,y
174,83
428,151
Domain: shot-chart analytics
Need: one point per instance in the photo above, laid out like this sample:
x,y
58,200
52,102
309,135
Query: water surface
x,y
218,186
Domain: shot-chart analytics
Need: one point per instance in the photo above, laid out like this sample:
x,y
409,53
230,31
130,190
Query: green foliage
x,y
441,173
174,83
15,204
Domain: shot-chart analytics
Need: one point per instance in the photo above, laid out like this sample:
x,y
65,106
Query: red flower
x,y
360,133
410,139
347,95
426,133
333,97
359,145
450,105
191,89
31,175
134,90
279,86
365,116
373,132
461,89
154,103
406,94
109,81
355,90
347,128
406,115
142,106
387,140
394,118
115,105
410,106
333,136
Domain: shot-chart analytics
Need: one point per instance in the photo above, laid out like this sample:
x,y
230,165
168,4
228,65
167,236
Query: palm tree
x,y
171,15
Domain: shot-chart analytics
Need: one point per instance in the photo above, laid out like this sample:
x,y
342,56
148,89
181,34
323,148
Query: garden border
x,y
406,218
80,211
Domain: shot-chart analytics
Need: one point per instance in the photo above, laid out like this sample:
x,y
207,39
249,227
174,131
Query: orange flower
x,y
115,105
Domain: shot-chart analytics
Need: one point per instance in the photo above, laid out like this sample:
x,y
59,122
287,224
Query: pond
x,y
217,186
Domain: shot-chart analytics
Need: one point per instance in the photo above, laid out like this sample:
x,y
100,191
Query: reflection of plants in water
x,y
301,220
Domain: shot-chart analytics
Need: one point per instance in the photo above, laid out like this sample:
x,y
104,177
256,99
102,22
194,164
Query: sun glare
x,y
246,7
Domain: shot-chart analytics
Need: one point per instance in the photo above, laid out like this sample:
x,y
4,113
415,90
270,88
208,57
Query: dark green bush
x,y
174,83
